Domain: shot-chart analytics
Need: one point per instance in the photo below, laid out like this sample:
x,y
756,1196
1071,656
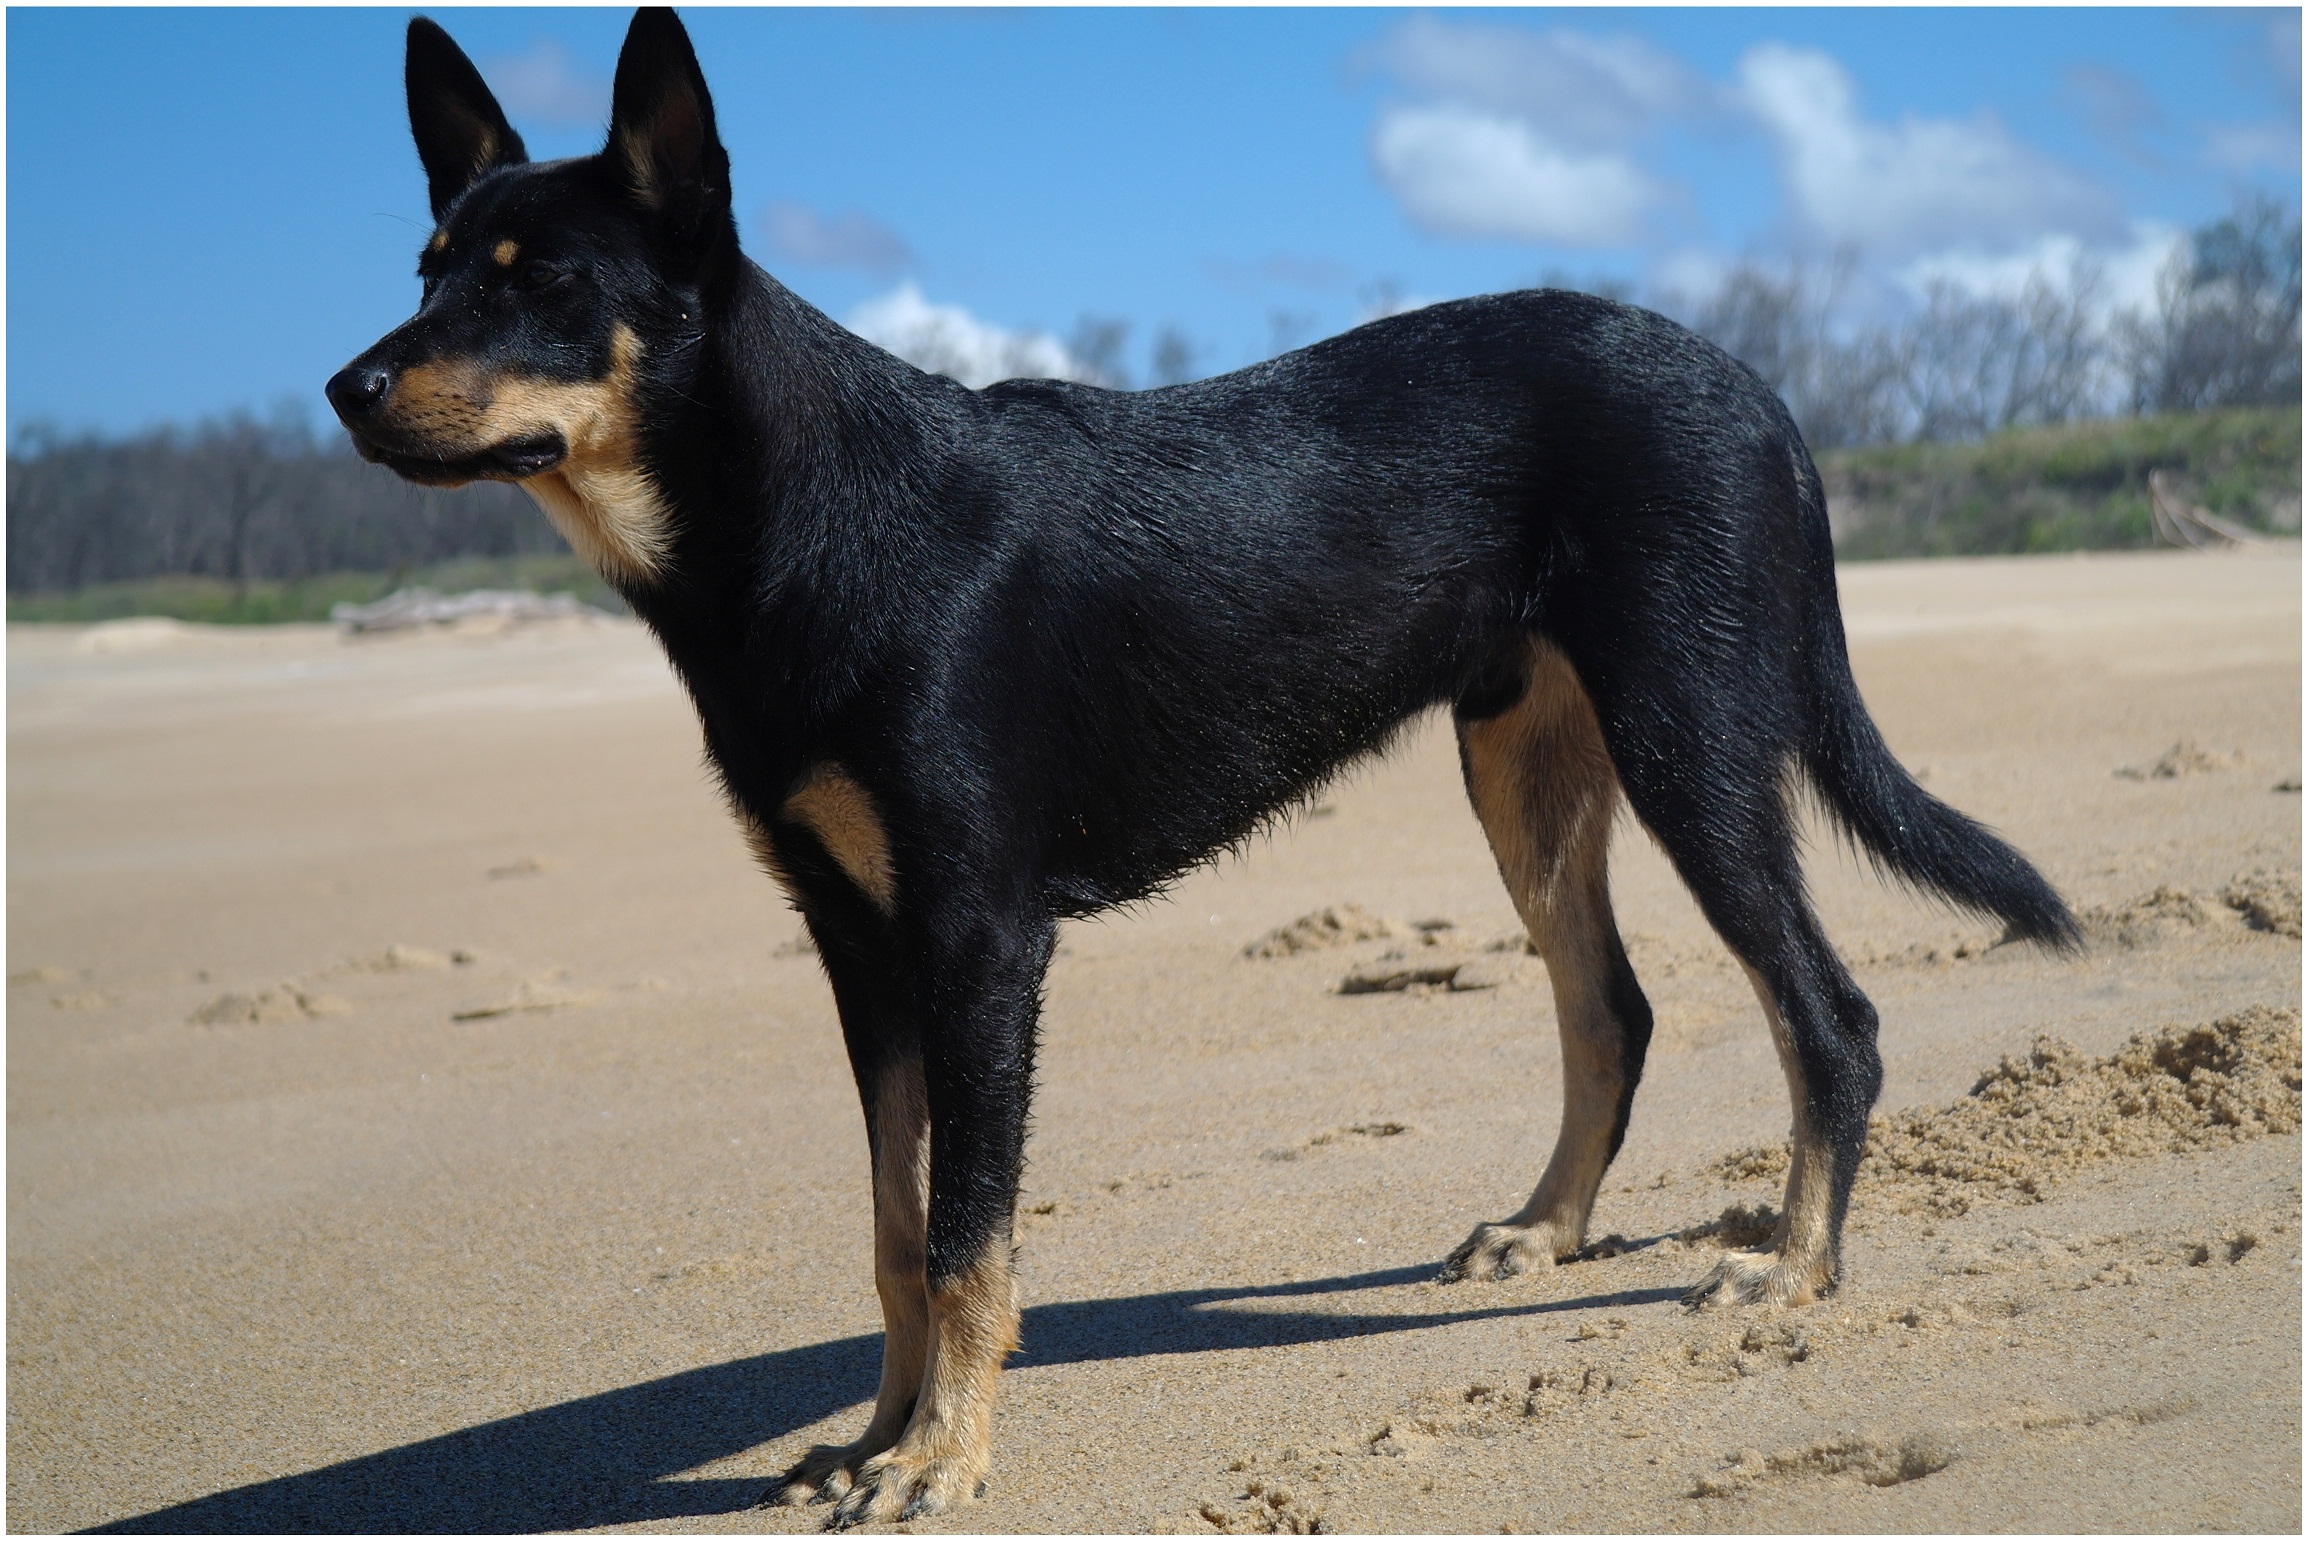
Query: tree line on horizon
x,y
2225,332
246,499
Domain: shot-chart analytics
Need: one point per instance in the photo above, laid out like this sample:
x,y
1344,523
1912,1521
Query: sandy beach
x,y
423,1116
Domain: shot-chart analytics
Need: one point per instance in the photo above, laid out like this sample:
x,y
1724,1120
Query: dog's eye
x,y
541,275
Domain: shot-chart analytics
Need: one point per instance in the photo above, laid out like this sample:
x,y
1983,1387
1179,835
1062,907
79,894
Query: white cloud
x,y
1462,171
2131,272
948,340
850,239
1526,136
1592,93
2126,274
548,85
1690,272
1998,275
1915,186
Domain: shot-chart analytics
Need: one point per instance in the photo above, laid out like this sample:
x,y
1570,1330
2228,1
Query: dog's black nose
x,y
356,390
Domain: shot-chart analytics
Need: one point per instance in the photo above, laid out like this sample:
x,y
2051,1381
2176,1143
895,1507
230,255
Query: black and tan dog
x,y
971,661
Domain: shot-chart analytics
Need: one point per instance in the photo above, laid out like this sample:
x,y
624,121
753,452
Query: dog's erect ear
x,y
461,131
661,130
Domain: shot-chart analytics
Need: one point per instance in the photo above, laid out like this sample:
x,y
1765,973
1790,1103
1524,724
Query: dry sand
x,y
421,1117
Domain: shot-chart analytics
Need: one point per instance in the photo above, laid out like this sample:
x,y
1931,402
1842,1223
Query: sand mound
x,y
1879,1461
2038,1117
283,1003
135,634
1740,1226
1333,926
2269,901
2161,913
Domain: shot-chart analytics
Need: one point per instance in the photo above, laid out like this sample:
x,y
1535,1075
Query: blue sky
x,y
213,209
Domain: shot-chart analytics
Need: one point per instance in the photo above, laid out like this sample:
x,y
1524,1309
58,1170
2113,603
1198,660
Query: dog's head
x,y
558,296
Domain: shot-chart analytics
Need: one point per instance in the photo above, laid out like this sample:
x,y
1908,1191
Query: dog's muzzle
x,y
362,394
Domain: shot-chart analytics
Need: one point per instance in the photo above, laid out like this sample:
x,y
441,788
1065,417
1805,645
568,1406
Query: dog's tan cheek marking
x,y
599,498
843,817
504,253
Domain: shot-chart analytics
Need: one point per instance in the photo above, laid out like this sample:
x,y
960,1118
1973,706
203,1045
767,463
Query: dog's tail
x,y
1910,834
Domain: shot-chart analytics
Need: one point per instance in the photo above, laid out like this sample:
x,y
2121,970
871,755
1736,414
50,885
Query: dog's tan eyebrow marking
x,y
440,240
505,253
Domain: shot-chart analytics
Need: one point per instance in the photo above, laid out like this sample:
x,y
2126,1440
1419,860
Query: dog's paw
x,y
1499,1252
826,1474
901,1484
1761,1278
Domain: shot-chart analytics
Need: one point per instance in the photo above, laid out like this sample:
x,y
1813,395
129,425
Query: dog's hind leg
x,y
1703,749
1800,1261
1543,785
1825,1032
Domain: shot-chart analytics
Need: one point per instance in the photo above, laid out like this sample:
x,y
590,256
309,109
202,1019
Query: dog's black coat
x,y
1075,641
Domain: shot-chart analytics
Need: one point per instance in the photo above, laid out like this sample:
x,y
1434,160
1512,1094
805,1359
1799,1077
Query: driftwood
x,y
404,609
2184,524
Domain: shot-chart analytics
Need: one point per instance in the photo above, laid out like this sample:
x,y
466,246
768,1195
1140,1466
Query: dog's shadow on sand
x,y
609,1459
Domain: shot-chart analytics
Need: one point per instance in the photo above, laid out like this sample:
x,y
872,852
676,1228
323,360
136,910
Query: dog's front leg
x,y
979,993
898,1124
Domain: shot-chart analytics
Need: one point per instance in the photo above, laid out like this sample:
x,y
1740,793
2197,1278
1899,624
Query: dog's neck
x,y
805,475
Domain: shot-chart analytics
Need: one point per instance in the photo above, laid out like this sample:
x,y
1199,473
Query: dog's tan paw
x,y
1499,1252
1761,1278
826,1474
901,1484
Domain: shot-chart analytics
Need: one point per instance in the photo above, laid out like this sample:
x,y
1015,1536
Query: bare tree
x,y
2227,331
240,500
1174,357
1967,365
1841,389
1097,350
1975,364
1287,329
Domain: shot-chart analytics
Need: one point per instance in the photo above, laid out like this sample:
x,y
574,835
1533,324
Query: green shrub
x,y
2075,487
216,601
